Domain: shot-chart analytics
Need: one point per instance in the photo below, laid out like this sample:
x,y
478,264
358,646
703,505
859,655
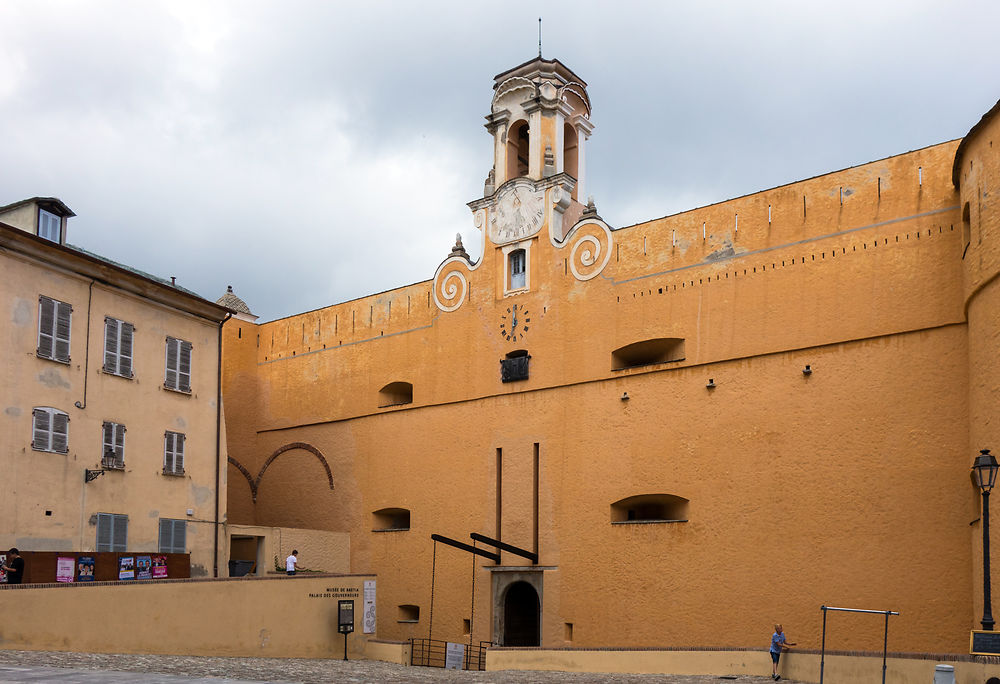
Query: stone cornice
x,y
564,180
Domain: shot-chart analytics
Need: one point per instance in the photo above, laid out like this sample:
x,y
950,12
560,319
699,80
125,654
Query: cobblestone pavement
x,y
86,668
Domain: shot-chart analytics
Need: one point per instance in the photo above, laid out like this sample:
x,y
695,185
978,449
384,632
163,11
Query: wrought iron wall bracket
x,y
91,475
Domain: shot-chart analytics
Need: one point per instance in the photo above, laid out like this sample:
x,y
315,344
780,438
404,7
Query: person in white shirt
x,y
292,562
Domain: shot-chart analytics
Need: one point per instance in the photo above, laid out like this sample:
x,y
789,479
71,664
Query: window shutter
x,y
110,345
166,535
103,532
46,327
184,367
179,455
125,350
173,348
40,430
60,432
119,540
64,314
180,536
119,445
168,452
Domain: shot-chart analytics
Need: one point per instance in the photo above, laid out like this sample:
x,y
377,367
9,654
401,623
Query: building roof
x,y
540,65
956,166
107,271
233,303
47,203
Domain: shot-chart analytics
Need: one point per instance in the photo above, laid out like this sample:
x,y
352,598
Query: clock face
x,y
517,214
514,323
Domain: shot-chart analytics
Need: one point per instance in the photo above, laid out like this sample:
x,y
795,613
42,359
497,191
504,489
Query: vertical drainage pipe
x,y
218,448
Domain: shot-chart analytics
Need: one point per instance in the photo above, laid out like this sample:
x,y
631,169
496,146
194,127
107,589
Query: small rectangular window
x,y
517,276
173,453
49,226
113,453
49,430
173,536
118,336
112,532
54,324
178,365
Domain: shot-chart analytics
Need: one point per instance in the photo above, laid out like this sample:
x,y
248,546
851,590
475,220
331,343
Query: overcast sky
x,y
312,152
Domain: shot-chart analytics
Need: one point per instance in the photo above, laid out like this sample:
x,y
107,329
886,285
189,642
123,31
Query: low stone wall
x,y
279,616
798,665
388,651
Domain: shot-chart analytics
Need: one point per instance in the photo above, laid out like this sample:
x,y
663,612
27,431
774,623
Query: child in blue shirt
x,y
778,642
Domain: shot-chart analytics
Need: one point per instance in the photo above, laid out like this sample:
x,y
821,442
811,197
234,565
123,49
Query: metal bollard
x,y
944,674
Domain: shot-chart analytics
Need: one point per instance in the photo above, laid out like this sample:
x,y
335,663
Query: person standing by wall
x,y
292,562
778,642
14,567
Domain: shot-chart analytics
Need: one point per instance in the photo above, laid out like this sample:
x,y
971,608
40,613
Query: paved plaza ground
x,y
85,668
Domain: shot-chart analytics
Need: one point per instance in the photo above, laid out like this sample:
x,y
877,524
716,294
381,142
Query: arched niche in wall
x,y
391,520
395,393
647,352
650,508
518,139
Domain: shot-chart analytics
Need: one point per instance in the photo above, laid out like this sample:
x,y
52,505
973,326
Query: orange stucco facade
x,y
847,485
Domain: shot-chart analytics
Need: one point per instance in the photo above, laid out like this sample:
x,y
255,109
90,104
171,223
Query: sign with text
x,y
368,619
984,643
454,656
65,568
345,616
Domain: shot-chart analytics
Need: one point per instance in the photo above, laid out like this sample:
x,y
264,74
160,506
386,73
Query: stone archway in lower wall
x,y
255,482
517,606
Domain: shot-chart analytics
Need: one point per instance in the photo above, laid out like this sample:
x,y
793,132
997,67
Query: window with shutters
x,y
49,226
112,532
118,337
49,430
113,453
173,536
178,365
173,453
54,318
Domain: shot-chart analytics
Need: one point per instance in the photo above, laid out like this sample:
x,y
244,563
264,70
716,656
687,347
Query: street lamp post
x,y
984,472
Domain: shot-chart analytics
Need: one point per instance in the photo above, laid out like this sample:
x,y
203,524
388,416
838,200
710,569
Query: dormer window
x,y
49,226
517,260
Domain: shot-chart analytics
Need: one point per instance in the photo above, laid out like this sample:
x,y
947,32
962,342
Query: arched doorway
x,y
520,615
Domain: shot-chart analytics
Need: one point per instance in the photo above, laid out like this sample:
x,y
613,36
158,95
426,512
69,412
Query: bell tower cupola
x,y
540,121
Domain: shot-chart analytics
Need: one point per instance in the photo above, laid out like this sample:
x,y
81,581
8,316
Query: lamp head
x,y
984,470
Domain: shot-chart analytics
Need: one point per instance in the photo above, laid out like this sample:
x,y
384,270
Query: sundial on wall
x,y
517,214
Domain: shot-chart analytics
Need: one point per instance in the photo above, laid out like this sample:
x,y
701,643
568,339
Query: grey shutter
x,y
170,380
184,367
110,345
179,455
107,459
60,432
168,452
119,539
64,314
166,535
119,445
180,536
46,327
125,350
41,435
103,532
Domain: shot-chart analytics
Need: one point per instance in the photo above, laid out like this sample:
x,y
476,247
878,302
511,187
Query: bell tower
x,y
540,121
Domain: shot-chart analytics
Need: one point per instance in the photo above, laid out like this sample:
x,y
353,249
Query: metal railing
x,y
433,653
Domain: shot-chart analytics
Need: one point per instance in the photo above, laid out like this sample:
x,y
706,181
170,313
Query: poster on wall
x,y
159,566
65,568
454,656
368,618
126,568
144,567
85,569
3,562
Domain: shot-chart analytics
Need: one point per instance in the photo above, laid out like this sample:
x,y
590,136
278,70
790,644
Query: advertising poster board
x,y
368,619
144,567
454,656
3,575
65,568
345,616
159,566
85,569
126,568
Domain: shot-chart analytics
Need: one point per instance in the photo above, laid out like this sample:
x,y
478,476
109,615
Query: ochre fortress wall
x,y
846,486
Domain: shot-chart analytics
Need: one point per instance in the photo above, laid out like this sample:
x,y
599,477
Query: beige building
x,y
110,412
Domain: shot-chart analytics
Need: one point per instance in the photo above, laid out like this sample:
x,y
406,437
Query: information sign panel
x,y
984,643
345,616
454,656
